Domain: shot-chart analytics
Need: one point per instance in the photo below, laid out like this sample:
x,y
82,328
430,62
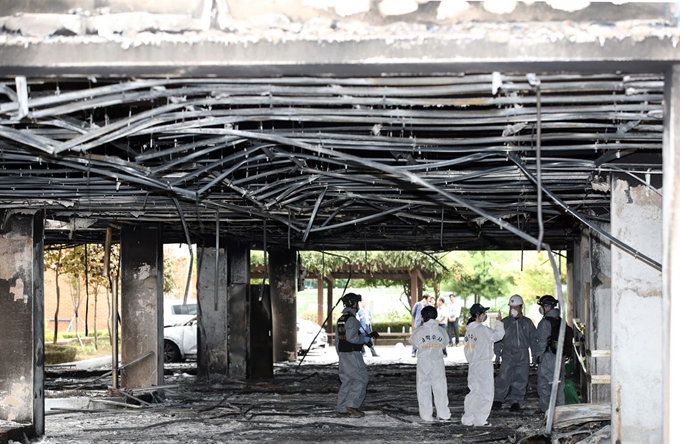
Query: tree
x,y
483,275
80,263
53,262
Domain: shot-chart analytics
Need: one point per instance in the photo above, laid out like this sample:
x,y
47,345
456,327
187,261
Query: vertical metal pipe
x,y
217,257
114,332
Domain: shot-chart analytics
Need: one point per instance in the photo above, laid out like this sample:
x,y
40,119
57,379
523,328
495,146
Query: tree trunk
x,y
108,305
75,297
56,311
435,286
87,294
96,291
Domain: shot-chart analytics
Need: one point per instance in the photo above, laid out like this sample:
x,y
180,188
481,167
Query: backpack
x,y
568,349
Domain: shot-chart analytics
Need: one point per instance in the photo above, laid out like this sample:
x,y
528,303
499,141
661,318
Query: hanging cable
x,y
536,83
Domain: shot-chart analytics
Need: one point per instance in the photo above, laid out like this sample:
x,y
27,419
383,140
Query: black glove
x,y
374,335
368,344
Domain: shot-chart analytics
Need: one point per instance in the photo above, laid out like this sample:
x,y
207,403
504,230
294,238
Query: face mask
x,y
484,318
514,313
541,311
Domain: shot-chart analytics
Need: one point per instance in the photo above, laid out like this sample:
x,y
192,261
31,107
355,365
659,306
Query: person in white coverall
x,y
430,340
479,340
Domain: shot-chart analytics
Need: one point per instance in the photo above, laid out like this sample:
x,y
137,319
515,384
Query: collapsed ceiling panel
x,y
392,162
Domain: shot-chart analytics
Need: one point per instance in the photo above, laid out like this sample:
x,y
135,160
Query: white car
x,y
310,336
181,341
175,312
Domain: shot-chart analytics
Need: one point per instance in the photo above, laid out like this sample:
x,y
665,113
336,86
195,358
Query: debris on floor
x,y
298,404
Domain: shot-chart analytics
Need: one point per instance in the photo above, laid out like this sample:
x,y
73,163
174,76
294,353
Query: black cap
x,y
428,313
350,299
476,309
547,300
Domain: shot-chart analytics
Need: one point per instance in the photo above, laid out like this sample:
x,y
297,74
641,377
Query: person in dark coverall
x,y
545,357
513,349
351,367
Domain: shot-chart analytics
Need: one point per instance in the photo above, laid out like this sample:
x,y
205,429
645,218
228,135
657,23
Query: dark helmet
x,y
428,313
548,300
350,299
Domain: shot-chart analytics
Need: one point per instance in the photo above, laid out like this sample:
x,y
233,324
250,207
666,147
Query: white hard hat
x,y
515,300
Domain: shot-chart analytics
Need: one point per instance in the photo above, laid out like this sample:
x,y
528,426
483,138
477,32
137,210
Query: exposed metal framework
x,y
320,159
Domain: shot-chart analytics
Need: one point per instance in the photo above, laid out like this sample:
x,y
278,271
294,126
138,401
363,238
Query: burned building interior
x,y
238,125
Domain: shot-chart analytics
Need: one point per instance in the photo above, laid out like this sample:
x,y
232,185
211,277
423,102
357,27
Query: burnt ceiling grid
x,y
119,152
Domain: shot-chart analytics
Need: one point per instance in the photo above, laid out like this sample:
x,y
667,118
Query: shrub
x,y
395,327
59,354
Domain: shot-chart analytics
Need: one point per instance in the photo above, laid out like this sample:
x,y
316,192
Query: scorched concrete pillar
x,y
141,310
22,321
238,261
212,313
637,313
671,253
282,271
599,328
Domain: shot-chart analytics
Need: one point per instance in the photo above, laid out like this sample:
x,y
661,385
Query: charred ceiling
x,y
413,162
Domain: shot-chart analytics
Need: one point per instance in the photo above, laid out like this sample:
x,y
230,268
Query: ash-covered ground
x,y
297,405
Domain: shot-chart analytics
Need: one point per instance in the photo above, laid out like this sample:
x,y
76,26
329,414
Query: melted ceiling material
x,y
418,162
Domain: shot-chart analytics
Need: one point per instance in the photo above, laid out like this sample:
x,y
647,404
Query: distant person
x,y
545,356
429,339
351,367
453,325
479,340
513,353
441,317
365,317
417,318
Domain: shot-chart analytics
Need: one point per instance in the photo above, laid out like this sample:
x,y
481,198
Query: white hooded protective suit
x,y
431,340
479,340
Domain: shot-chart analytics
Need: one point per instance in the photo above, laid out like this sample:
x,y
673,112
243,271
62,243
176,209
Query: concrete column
x,y
141,310
212,313
238,259
637,313
575,296
282,275
260,354
671,252
22,321
599,328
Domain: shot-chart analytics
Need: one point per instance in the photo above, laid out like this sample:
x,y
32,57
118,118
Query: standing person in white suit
x,y
430,339
479,340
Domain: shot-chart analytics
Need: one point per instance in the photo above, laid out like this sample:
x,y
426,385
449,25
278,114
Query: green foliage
x,y
169,283
59,353
395,327
101,334
482,276
395,316
495,275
